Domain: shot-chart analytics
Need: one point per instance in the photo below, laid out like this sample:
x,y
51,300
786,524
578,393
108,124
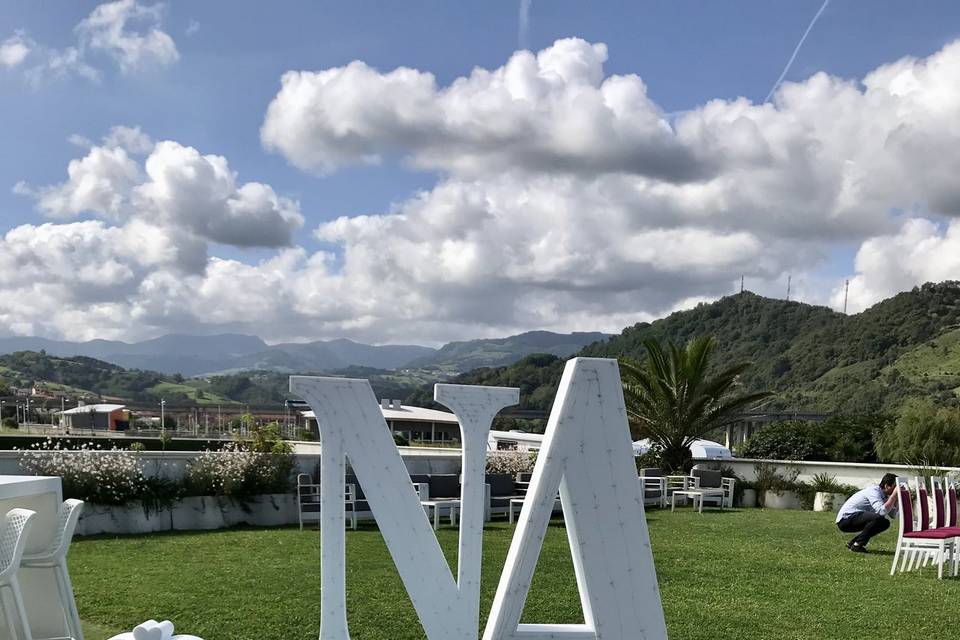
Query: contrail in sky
x,y
786,69
524,23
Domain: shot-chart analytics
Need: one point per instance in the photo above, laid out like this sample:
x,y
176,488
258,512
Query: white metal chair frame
x,y
308,493
654,483
13,539
726,501
55,557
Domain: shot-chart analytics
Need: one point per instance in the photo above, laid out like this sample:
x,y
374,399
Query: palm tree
x,y
671,400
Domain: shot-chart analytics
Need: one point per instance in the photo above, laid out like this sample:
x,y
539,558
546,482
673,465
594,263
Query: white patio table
x,y
437,505
696,495
42,494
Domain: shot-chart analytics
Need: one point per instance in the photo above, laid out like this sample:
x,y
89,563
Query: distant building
x,y
101,417
413,423
514,441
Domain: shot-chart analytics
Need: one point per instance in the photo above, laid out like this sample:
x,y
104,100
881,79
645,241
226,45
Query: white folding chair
x,y
55,557
13,539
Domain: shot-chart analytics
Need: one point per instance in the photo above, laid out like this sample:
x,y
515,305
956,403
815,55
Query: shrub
x,y
88,473
853,438
512,462
768,478
839,439
792,440
237,472
922,434
10,423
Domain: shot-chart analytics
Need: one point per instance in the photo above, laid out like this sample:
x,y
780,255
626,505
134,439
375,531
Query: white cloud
x,y
921,251
127,32
109,28
550,112
176,187
563,183
14,50
565,201
131,139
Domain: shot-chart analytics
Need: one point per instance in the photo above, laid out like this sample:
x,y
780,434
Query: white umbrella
x,y
698,448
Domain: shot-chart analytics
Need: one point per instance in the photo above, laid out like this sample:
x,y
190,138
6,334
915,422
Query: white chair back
x,y
13,539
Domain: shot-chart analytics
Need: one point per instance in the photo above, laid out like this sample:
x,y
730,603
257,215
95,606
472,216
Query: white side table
x,y
696,496
437,505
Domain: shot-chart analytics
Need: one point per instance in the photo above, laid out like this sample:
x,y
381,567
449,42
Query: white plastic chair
x,y
55,557
13,539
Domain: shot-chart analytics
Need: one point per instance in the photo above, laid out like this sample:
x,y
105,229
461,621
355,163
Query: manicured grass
x,y
723,575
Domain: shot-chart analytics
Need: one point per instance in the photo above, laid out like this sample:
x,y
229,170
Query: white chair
x,y
55,557
13,539
308,501
916,542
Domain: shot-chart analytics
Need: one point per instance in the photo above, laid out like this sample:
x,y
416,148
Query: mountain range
x,y
813,358
223,354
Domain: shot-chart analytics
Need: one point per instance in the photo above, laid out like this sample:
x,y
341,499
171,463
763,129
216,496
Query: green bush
x,y
10,423
792,440
838,439
922,434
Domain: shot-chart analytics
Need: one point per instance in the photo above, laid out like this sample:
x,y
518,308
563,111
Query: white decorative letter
x,y
351,424
587,454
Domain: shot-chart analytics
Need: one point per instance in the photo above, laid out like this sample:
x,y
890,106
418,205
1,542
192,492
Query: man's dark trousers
x,y
867,523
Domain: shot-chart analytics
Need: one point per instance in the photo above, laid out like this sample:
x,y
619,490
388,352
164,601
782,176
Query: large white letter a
x,y
587,454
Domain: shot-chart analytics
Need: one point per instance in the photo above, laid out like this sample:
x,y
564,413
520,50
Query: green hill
x,y
460,357
813,358
84,377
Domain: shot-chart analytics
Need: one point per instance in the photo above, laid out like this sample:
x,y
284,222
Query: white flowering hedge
x,y
90,473
512,462
239,472
115,476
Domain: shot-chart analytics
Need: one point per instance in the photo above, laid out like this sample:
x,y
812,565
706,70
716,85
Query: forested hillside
x,y
83,377
815,359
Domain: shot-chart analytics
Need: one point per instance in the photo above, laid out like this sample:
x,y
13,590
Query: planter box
x,y
823,501
96,519
271,510
749,498
197,513
785,500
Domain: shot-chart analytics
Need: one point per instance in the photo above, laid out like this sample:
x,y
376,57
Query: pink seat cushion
x,y
933,534
953,530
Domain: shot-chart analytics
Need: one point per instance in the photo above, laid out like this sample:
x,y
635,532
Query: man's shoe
x,y
857,548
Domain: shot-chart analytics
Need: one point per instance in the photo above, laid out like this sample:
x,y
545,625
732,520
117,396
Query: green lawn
x,y
723,575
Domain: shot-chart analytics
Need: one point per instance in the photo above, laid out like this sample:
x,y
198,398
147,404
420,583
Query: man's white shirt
x,y
870,500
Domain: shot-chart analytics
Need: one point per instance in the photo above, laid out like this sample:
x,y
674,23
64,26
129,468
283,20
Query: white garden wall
x,y
173,464
856,474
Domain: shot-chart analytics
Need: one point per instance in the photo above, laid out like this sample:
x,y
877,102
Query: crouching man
x,y
865,512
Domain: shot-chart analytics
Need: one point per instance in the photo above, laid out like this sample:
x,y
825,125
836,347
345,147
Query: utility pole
x,y
162,405
741,284
846,292
789,277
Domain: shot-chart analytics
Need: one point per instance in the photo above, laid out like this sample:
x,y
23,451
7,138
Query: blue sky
x,y
232,56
